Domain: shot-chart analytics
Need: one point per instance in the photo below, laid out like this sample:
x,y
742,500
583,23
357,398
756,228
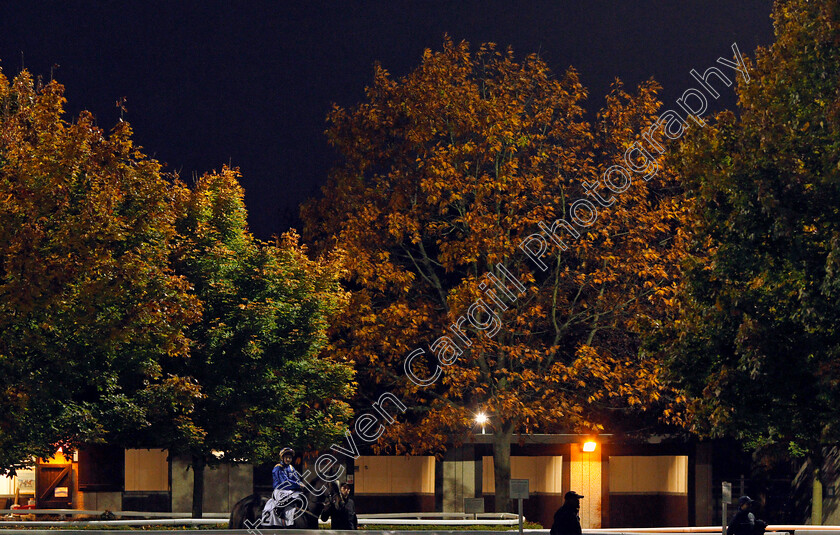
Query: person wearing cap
x,y
744,522
566,519
342,510
279,510
284,474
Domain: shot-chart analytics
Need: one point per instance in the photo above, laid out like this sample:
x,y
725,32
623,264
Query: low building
x,y
641,485
657,483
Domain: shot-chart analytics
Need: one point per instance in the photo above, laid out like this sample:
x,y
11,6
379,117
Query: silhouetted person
x,y
342,510
566,519
744,522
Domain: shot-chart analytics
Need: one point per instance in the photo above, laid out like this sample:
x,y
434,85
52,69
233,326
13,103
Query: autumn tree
x,y
255,352
89,306
757,344
444,175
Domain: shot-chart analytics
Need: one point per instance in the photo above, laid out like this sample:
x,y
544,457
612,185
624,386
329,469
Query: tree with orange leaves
x,y
141,312
446,177
89,306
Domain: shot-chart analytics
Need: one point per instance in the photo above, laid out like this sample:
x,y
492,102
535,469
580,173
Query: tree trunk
x,y
815,461
198,485
816,499
501,466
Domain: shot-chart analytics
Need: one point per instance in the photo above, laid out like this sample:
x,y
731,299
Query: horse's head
x,y
316,495
323,491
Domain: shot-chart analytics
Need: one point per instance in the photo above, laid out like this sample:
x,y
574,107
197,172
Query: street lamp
x,y
589,446
481,419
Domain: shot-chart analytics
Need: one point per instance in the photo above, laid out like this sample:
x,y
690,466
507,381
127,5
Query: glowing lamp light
x,y
481,419
589,446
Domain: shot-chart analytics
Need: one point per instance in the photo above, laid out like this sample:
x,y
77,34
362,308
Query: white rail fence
x,y
145,518
160,519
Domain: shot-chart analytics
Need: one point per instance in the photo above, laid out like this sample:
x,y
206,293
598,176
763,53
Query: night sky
x,y
250,83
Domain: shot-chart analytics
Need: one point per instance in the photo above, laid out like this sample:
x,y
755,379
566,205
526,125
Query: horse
x,y
247,512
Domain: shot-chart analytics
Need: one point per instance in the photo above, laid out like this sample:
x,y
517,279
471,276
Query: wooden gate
x,y
54,486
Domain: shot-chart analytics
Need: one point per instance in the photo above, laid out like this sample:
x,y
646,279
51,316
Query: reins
x,y
313,515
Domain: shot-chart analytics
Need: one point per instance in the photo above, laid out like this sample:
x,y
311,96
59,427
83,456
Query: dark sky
x,y
250,83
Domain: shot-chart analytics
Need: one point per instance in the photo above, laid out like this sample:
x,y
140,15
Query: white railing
x,y
394,519
438,522
153,522
499,516
85,512
440,519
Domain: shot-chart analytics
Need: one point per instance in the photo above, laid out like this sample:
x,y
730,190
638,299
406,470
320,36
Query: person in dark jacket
x,y
566,519
744,522
342,510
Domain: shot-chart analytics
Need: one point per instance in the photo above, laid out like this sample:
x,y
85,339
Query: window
x,y
101,468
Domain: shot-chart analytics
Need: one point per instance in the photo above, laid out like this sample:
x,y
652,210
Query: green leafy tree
x,y
255,351
756,348
443,174
89,306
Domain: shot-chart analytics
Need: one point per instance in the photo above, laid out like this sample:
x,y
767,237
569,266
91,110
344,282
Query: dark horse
x,y
247,512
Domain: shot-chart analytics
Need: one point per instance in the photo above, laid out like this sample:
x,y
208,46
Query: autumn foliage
x,y
88,302
443,173
140,311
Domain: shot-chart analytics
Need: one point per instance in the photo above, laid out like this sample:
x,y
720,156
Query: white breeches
x,y
279,510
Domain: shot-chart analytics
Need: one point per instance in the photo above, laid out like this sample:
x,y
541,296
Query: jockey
x,y
284,474
280,508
